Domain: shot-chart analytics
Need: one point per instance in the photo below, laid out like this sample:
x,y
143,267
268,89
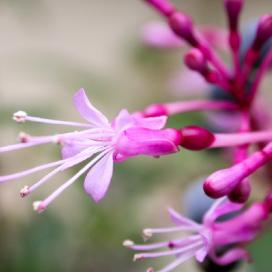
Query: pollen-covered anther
x,y
20,116
128,243
138,257
147,234
38,206
23,137
24,191
57,140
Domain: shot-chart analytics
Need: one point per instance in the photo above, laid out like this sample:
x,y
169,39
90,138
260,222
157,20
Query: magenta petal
x,y
98,179
152,122
232,256
87,110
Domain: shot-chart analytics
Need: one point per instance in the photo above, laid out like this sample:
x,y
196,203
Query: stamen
x,y
195,246
85,154
20,116
30,171
38,206
147,233
68,183
24,191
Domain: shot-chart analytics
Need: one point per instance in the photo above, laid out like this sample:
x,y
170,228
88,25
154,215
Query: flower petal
x,y
180,220
87,110
98,179
122,120
152,122
220,208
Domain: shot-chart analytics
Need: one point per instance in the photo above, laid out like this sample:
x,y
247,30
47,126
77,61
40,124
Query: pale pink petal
x,y
178,219
87,110
99,177
216,36
152,122
220,208
70,150
159,35
122,120
188,82
201,254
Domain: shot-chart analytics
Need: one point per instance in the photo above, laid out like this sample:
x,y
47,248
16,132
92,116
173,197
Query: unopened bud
x,y
241,193
196,138
223,182
264,32
155,110
182,25
163,6
233,8
268,202
195,60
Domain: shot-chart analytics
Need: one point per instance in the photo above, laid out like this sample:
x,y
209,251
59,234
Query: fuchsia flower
x,y
101,143
210,236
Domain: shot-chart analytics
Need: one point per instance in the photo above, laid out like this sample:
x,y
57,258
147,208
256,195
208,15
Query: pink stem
x,y
236,139
259,76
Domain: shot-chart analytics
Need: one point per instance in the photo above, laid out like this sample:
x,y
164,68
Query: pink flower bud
x,y
241,193
224,181
155,110
163,6
233,9
264,31
196,138
195,60
182,25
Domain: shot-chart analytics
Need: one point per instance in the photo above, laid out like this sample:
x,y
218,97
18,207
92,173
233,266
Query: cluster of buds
x,y
101,143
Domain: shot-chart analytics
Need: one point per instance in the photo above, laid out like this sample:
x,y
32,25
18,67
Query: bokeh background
x,y
48,50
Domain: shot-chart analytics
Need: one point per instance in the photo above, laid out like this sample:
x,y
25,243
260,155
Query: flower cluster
x,y
229,224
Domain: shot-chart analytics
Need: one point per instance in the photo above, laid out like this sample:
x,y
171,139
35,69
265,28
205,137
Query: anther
x,y
20,116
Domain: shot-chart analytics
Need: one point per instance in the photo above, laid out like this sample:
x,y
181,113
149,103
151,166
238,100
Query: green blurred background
x,y
48,50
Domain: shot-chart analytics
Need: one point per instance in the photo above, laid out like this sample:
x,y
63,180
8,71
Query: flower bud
x,y
241,193
195,60
264,32
224,181
196,138
233,9
182,25
163,6
155,110
268,202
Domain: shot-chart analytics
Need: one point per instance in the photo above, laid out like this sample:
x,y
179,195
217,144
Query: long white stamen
x,y
22,116
194,246
70,162
147,233
43,204
30,171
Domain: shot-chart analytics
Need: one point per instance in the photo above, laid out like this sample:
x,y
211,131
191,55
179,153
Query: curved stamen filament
x,y
40,206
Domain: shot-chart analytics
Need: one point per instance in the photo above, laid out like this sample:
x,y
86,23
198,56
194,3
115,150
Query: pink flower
x,y
206,238
100,143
